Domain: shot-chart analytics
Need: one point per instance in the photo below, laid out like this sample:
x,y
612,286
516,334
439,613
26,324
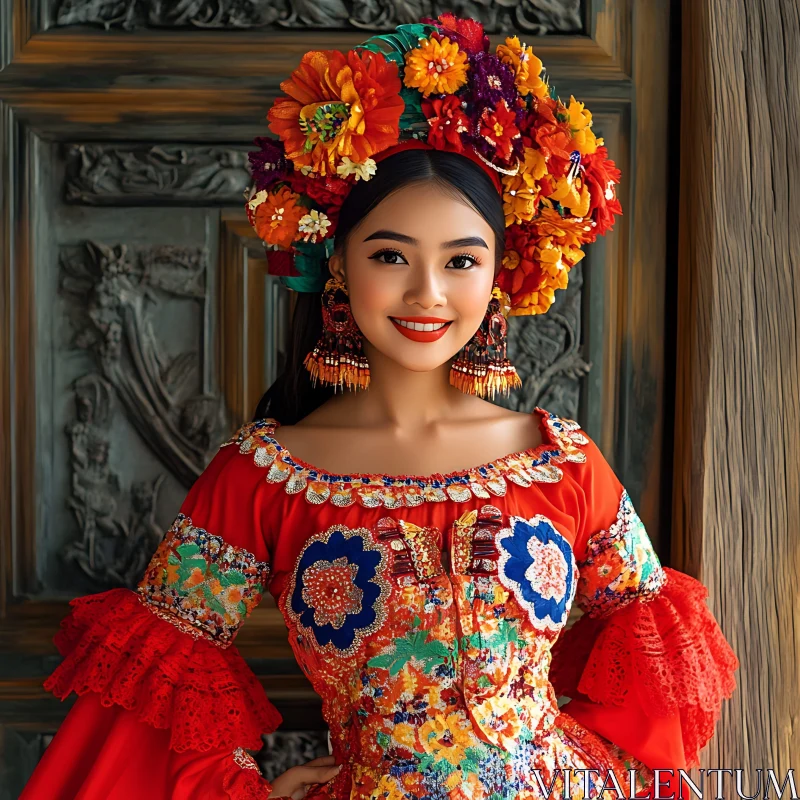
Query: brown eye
x,y
389,257
463,261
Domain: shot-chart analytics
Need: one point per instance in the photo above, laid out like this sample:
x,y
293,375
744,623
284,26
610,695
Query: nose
x,y
426,288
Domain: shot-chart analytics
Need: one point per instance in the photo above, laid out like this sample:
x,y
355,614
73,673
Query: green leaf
x,y
188,550
412,116
414,646
384,740
396,44
233,578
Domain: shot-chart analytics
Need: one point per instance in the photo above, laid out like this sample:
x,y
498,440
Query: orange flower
x,y
526,67
276,217
436,66
537,260
338,105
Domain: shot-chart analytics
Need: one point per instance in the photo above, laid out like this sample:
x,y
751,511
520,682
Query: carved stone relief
x,y
533,17
112,547
546,350
116,292
107,174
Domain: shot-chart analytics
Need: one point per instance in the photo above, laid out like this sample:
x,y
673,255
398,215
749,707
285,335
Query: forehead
x,y
428,212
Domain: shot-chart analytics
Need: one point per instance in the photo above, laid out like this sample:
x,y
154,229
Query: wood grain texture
x,y
737,455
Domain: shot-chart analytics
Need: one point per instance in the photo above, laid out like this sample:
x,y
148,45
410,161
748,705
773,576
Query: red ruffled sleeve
x,y
646,666
167,707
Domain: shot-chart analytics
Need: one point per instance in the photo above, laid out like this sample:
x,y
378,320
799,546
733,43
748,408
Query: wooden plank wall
x,y
737,467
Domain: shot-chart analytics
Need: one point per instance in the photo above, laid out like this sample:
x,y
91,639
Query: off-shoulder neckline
x,y
530,452
538,464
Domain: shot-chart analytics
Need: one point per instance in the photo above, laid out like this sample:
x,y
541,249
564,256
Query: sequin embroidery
x,y
536,465
338,591
620,565
199,579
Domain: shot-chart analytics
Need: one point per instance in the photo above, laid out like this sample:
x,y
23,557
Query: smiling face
x,y
419,270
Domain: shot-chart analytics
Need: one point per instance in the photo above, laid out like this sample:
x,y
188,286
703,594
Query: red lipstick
x,y
422,336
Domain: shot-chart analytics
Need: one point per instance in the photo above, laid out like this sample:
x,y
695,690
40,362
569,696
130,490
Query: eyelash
x,y
475,260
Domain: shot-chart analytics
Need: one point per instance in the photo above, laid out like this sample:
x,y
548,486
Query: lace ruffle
x,y
206,695
667,654
242,779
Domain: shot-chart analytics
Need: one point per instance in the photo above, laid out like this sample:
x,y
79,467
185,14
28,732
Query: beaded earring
x,y
337,358
482,366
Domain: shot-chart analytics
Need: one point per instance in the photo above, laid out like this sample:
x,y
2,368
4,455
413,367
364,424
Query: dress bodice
x,y
432,677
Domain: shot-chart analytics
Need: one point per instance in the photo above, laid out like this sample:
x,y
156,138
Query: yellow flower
x,y
443,737
403,734
436,67
519,199
573,195
521,191
511,259
580,121
526,67
500,594
388,789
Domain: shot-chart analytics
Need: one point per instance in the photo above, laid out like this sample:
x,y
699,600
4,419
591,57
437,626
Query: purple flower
x,y
490,81
268,164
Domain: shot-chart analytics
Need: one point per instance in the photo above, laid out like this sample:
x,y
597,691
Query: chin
x,y
417,357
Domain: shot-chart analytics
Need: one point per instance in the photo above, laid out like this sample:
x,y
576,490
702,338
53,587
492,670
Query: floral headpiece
x,y
436,85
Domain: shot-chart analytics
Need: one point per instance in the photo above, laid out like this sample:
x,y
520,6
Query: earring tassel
x,y
482,367
337,358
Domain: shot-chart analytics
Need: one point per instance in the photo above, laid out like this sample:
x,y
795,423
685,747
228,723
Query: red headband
x,y
418,144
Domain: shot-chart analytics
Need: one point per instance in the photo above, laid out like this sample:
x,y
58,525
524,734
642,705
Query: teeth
x,y
420,326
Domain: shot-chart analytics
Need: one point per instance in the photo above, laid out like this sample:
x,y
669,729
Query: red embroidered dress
x,y
438,681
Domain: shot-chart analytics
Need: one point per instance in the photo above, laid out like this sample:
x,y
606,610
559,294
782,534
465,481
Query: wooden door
x,y
139,326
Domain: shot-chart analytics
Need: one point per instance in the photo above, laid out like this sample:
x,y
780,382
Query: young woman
x,y
424,545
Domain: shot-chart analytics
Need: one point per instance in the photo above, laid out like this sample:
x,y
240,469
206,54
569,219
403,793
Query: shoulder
x,y
236,466
579,456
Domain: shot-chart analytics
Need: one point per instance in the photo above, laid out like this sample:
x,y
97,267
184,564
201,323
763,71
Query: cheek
x,y
371,299
469,299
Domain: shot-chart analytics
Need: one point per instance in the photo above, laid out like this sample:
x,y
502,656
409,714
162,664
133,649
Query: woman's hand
x,y
295,781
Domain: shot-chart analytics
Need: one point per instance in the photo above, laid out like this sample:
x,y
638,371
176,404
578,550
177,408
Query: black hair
x,y
292,396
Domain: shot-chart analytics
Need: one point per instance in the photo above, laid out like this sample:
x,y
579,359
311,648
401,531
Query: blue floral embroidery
x,y
537,564
338,594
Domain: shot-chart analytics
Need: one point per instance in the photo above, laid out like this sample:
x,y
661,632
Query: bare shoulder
x,y
473,418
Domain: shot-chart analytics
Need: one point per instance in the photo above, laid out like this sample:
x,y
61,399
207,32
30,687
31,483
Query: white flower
x,y
314,225
306,169
259,198
363,171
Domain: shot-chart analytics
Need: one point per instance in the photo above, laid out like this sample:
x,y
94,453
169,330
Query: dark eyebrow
x,y
398,237
467,241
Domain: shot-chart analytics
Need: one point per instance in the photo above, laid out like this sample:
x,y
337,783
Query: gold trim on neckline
x,y
534,465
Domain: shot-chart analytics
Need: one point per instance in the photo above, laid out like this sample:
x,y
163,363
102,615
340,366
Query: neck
x,y
405,399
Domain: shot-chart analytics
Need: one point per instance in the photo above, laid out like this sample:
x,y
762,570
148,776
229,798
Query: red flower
x,y
447,121
328,192
600,175
466,33
498,128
